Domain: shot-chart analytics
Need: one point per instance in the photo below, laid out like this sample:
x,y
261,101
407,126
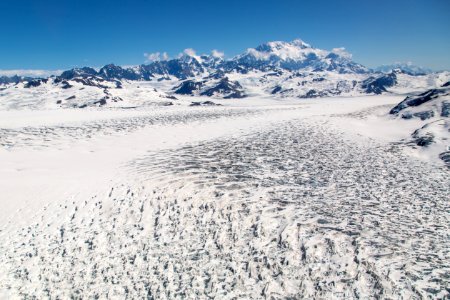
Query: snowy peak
x,y
297,55
211,61
78,72
283,50
407,67
112,71
13,79
300,43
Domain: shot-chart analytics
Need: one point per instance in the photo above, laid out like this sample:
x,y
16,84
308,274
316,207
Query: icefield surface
x,y
254,199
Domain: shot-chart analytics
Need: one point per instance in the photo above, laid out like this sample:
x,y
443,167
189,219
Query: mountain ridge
x,y
277,69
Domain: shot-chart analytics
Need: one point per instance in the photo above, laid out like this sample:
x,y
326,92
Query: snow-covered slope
x,y
79,92
432,107
295,55
276,200
223,88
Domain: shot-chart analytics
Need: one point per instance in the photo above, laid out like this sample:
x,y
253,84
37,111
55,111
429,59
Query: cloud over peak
x,y
156,56
217,53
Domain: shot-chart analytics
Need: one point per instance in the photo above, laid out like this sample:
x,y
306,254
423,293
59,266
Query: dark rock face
x,y
78,72
66,85
276,90
378,85
236,95
105,99
445,109
216,75
423,115
13,79
112,71
318,94
188,87
314,94
229,89
102,101
419,99
32,83
170,97
204,103
35,83
182,68
445,156
446,84
422,140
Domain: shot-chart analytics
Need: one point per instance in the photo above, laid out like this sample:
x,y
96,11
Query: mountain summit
x,y
297,55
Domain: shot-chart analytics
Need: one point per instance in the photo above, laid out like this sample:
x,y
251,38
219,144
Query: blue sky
x,y
49,34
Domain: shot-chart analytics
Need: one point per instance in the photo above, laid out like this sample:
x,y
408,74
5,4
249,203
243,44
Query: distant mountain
x,y
279,69
294,56
379,85
405,67
13,79
78,72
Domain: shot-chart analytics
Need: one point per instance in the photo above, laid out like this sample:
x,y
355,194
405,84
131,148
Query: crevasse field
x,y
258,198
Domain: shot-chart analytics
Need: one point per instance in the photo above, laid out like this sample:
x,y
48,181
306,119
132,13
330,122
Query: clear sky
x,y
50,34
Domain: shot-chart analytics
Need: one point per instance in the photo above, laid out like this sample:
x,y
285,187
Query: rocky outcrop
x,y
418,100
226,89
378,85
188,87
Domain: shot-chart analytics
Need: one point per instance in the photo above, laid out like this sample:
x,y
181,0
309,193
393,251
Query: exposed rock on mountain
x,y
432,106
225,88
378,85
112,71
13,79
295,55
204,103
188,87
35,82
436,99
78,72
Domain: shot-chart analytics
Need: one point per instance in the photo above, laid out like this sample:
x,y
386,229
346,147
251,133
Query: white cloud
x,y
342,52
257,54
30,73
190,52
156,56
407,63
217,53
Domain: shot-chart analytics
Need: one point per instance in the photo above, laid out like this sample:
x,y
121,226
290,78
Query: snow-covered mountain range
x,y
276,69
407,67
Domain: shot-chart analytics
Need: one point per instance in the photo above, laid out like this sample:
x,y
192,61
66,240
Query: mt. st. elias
x,y
274,69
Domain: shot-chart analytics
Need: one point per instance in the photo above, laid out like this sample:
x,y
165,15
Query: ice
x,y
262,199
